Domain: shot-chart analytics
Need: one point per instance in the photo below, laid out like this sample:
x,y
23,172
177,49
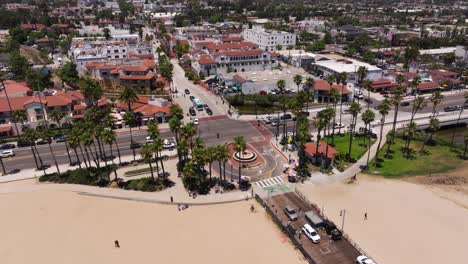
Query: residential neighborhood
x,y
127,124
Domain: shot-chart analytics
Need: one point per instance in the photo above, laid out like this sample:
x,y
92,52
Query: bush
x,y
91,176
226,185
147,185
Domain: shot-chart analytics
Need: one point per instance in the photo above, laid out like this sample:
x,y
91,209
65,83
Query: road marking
x,y
269,182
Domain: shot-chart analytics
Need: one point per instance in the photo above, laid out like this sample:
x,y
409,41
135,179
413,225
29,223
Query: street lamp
x,y
231,174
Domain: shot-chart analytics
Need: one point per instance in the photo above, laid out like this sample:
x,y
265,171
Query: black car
x,y
187,91
331,230
368,100
41,142
208,111
135,145
405,103
7,146
22,144
192,97
192,111
206,106
286,116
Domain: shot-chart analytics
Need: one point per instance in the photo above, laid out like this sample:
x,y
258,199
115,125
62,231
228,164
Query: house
x,y
326,154
428,87
383,85
322,91
334,65
147,108
12,89
350,31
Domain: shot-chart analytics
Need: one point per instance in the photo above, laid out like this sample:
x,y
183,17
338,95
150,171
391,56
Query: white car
x,y
195,121
311,233
149,140
7,153
364,260
168,144
339,125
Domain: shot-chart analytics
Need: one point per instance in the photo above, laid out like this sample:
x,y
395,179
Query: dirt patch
x,y
33,55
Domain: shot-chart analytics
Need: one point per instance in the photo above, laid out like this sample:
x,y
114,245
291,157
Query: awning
x,y
6,128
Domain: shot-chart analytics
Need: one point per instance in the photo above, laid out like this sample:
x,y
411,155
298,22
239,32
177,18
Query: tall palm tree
x,y
436,99
466,144
328,114
47,135
319,123
384,109
158,147
36,84
343,78
240,146
188,131
409,132
354,109
368,117
298,80
108,137
458,119
434,125
223,156
73,142
129,119
281,85
2,80
330,80
418,104
210,157
57,117
309,82
367,84
30,136
414,84
335,97
362,75
395,100
146,152
183,149
19,116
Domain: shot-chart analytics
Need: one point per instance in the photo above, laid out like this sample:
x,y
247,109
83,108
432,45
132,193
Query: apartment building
x,y
268,40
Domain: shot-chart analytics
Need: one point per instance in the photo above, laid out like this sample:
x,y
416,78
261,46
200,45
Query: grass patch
x,y
439,158
358,149
131,173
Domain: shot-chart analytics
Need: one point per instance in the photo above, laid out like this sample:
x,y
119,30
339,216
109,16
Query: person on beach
x,y
116,243
252,208
365,216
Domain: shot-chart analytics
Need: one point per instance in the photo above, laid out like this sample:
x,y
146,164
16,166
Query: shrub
x,y
148,185
226,185
91,176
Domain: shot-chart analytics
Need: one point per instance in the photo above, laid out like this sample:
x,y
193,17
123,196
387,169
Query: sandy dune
x,y
63,227
407,223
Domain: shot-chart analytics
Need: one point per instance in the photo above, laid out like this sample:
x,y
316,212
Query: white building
x,y
269,39
350,66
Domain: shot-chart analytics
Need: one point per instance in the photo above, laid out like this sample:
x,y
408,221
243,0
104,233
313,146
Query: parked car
x,y
149,139
196,122
290,213
192,111
304,113
331,230
368,100
187,91
208,111
359,96
7,153
168,144
286,116
450,108
364,260
8,146
191,98
135,145
276,122
22,144
311,233
205,106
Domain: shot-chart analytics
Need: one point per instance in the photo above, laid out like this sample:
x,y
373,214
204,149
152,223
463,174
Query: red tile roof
x,y
79,107
443,73
148,76
321,85
206,59
58,100
33,26
5,128
13,87
135,68
230,46
239,78
311,148
240,52
231,39
383,83
428,85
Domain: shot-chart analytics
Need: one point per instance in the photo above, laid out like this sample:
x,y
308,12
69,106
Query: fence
x,y
288,232
346,236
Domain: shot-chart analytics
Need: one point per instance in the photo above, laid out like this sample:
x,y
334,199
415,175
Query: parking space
x,y
328,251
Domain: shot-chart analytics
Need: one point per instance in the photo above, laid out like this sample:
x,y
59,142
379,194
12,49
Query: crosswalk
x,y
269,182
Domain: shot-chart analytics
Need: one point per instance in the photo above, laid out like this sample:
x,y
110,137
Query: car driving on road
x,y
8,146
364,260
7,153
192,111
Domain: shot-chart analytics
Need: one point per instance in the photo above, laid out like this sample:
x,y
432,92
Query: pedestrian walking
x,y
365,216
252,208
172,199
116,243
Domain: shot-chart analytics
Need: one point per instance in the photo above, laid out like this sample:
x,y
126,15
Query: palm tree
x,y
458,119
368,117
361,74
367,84
436,99
297,80
418,104
187,132
354,109
384,109
158,147
36,84
414,84
47,135
319,123
3,167
108,137
14,120
334,96
309,82
183,149
128,96
210,157
146,152
240,146
330,80
281,85
129,119
327,114
74,141
395,100
343,78
434,125
409,132
19,116
223,155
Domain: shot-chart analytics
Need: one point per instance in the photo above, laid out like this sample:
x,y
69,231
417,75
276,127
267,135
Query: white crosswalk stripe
x,y
269,182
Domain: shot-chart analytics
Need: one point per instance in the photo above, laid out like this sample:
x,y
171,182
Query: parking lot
x,y
327,251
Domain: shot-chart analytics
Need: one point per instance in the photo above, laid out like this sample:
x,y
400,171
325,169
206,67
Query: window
x,y
108,51
123,50
117,56
116,51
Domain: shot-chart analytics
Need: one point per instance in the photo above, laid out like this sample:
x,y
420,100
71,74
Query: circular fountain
x,y
245,157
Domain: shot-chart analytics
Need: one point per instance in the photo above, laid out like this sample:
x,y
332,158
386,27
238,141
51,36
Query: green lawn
x,y
342,145
439,159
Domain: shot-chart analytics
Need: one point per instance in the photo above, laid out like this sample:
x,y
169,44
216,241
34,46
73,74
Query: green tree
x,y
91,90
458,119
368,117
395,100
68,73
19,66
434,125
465,137
130,120
298,80
354,109
240,146
281,85
106,33
334,97
146,152
384,109
319,123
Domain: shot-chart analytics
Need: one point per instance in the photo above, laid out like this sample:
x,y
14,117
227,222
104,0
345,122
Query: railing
x,y
285,230
345,235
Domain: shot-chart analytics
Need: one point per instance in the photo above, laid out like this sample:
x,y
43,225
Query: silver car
x,y
291,213
7,153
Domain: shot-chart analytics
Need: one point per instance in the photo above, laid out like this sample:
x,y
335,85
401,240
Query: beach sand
x,y
49,226
407,223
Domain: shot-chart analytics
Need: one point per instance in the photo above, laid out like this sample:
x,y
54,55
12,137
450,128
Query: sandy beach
x,y
49,226
407,223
